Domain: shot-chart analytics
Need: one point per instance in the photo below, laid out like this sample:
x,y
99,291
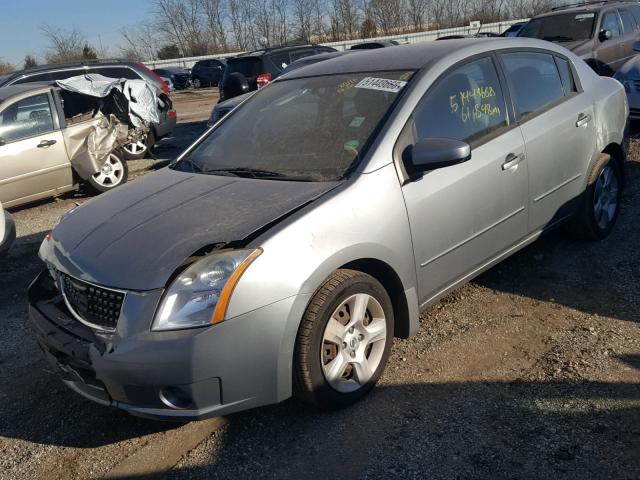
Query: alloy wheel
x,y
111,173
605,198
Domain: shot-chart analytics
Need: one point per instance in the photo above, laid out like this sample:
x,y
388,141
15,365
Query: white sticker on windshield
x,y
383,84
582,16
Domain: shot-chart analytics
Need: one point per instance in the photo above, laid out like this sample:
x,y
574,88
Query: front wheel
x,y
344,340
600,205
114,172
196,83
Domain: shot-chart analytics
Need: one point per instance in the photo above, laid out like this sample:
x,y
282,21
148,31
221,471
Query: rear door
x,y
557,122
611,52
629,34
33,158
464,215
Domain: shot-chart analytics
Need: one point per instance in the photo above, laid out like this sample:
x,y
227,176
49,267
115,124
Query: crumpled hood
x,y
137,235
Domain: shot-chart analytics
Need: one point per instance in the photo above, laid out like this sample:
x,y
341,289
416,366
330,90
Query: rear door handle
x,y
512,161
46,143
583,119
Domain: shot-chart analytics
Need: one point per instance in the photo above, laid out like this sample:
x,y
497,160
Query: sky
x,y
100,21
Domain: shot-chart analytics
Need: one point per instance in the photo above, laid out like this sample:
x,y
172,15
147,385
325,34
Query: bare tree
x,y
417,11
64,45
215,14
6,68
141,42
303,14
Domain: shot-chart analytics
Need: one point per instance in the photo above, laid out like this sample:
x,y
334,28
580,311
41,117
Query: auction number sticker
x,y
383,84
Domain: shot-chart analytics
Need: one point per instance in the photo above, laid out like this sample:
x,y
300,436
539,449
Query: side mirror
x,y
432,153
605,35
636,47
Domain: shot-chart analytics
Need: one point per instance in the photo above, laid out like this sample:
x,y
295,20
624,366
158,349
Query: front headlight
x,y
200,295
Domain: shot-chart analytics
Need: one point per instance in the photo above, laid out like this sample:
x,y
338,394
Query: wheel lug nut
x,y
361,337
353,354
344,344
351,330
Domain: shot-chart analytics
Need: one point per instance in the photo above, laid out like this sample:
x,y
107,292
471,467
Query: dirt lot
x,y
532,370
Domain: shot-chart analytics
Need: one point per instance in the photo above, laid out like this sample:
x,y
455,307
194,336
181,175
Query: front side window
x,y
40,77
565,27
307,129
26,118
465,104
535,80
610,23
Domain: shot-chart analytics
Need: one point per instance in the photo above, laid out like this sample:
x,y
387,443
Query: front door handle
x,y
512,161
583,120
46,143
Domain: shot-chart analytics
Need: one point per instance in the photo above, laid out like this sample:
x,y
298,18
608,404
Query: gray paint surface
x,y
164,218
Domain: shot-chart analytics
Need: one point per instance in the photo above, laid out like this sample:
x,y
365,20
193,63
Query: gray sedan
x,y
283,251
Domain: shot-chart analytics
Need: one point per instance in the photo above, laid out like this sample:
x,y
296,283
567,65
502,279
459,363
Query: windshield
x,y
308,129
566,27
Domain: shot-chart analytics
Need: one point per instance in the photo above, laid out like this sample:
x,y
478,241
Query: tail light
x,y
165,89
263,79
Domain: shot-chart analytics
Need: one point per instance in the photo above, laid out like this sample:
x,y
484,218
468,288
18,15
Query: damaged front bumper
x,y
176,375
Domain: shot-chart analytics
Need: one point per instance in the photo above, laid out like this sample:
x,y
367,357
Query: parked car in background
x,y
43,145
252,70
7,231
109,68
601,33
513,30
222,108
208,73
374,45
339,201
629,76
180,77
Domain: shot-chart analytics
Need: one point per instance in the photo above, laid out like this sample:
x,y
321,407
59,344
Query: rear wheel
x,y
139,150
114,172
344,340
197,83
601,203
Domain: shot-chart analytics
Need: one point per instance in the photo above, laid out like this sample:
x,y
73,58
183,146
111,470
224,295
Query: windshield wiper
x,y
246,172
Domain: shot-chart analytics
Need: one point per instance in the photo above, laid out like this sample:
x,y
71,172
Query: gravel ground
x,y
530,371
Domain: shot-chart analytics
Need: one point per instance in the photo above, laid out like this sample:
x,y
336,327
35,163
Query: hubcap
x,y
111,172
353,343
605,198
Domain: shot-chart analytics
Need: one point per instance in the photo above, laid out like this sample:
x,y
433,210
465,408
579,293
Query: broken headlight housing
x,y
200,295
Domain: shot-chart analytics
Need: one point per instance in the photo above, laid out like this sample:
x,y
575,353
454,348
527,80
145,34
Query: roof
x,y
13,90
414,56
265,51
587,6
61,66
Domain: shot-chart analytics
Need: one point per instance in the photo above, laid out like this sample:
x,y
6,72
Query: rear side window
x,y
535,80
610,22
280,60
26,118
628,22
117,72
63,75
566,75
301,54
466,104
635,11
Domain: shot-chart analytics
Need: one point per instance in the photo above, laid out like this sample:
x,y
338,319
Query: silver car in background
x,y
282,252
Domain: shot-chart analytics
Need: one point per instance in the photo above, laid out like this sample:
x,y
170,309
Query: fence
x,y
497,27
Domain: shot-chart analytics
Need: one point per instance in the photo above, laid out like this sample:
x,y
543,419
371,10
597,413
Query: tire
x,y
600,205
318,381
108,179
139,150
197,83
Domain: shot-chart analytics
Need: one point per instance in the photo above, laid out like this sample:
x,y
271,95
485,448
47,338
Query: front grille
x,y
97,306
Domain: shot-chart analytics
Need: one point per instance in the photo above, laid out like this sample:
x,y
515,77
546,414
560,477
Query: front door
x,y
609,52
33,158
464,215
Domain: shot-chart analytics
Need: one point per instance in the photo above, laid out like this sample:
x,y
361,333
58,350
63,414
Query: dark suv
x,y
109,68
602,33
207,72
252,70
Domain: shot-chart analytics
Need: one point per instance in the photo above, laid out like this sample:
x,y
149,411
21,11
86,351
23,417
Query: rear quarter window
x,y
116,72
535,80
249,67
